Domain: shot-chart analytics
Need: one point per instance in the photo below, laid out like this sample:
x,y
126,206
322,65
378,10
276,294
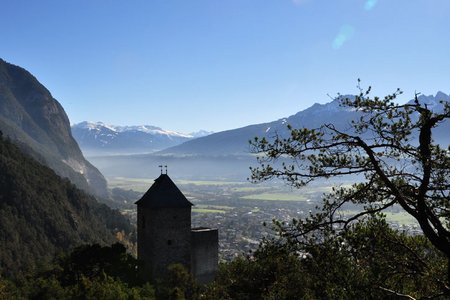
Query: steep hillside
x,y
42,214
34,120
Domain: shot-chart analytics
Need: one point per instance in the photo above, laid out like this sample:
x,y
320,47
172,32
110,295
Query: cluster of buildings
x,y
169,232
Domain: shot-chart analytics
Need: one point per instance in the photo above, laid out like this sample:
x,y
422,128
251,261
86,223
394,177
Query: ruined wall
x,y
204,253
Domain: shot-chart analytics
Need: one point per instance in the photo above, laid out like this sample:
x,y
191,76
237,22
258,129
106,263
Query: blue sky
x,y
205,64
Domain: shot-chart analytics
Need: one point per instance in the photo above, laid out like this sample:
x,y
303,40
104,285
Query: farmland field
x,y
135,184
208,210
276,197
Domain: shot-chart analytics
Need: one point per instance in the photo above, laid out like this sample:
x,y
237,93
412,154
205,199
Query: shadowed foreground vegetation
x,y
42,214
371,261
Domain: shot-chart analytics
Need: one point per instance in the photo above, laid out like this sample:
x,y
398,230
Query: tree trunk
x,y
448,271
447,286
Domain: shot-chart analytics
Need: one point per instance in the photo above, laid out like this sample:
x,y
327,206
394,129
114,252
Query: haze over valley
x,y
214,156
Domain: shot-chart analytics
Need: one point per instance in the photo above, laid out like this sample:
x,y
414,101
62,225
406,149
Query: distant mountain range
x,y
102,139
35,121
236,141
226,154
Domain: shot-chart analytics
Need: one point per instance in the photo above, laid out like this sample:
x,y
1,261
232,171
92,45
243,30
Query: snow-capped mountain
x,y
102,139
434,103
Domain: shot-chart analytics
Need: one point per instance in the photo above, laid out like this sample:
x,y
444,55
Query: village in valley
x,y
244,212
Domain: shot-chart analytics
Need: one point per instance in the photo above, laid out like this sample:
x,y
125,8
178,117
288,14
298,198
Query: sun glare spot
x,y
370,4
345,33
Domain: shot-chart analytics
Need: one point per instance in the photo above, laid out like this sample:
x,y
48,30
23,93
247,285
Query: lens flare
x,y
370,4
345,33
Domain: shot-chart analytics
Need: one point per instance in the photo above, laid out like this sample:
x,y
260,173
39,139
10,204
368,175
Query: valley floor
x,y
239,209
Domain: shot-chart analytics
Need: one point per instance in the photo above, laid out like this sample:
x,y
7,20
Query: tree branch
x,y
397,294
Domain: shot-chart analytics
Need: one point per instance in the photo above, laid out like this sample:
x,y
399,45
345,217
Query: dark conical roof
x,y
163,193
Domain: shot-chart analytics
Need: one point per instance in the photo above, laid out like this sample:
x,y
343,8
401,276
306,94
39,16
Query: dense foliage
x,y
100,272
371,261
42,214
89,272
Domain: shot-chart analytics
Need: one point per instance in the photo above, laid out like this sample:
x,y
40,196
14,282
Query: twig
x,y
397,294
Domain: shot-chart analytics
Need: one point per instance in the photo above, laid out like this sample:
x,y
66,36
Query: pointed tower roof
x,y
163,193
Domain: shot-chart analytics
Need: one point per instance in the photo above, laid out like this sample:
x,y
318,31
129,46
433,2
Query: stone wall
x,y
204,253
164,238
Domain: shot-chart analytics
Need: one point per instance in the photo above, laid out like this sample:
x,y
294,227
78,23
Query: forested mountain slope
x,y
42,214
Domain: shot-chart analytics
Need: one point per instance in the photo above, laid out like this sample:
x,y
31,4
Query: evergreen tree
x,y
398,168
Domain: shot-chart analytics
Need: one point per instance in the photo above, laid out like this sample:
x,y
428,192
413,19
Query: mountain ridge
x,y
236,141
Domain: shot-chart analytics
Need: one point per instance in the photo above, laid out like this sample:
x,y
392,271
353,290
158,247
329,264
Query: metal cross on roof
x,y
161,167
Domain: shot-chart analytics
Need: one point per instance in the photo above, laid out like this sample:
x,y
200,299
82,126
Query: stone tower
x,y
163,228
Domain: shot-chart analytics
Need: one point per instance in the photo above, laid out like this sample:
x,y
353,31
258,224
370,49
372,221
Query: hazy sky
x,y
206,64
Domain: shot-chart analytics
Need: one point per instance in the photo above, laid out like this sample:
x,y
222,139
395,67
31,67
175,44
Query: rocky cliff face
x,y
34,120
